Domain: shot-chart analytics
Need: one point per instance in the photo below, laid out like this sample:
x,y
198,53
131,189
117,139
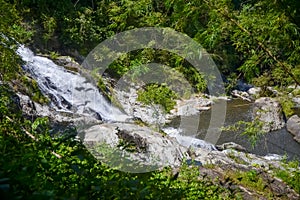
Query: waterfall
x,y
68,91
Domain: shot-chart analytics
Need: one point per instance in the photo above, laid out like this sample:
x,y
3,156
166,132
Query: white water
x,y
68,91
188,141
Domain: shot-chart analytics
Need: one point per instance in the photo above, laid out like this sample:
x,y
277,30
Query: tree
x,y
11,32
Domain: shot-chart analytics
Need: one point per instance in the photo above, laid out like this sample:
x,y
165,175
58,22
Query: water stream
x,y
69,91
277,142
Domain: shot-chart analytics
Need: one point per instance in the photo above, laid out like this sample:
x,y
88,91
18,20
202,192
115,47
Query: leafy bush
x,y
158,94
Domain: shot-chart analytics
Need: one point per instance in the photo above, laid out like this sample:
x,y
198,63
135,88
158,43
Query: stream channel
x,y
279,142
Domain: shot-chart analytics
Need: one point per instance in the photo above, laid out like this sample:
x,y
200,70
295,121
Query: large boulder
x,y
269,111
132,148
293,126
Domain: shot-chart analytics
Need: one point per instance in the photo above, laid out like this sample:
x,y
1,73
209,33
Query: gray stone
x,y
293,126
231,145
149,150
296,101
68,63
152,115
254,92
192,106
33,109
242,95
269,111
272,156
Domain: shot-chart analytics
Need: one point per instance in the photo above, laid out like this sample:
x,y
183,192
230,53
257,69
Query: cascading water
x,y
73,93
68,91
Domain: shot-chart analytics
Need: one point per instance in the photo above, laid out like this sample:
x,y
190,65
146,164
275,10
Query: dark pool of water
x,y
279,142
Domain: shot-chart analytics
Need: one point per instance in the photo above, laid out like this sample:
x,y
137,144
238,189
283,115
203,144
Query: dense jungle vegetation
x,y
257,41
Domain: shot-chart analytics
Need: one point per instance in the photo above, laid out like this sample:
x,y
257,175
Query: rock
x,y
296,101
269,111
33,110
192,106
152,115
188,141
231,145
272,156
68,63
149,150
155,114
243,95
293,126
254,92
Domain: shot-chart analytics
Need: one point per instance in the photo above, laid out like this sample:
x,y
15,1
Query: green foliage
x,y
129,146
54,55
11,32
291,175
287,105
158,94
30,87
249,38
252,180
49,25
101,85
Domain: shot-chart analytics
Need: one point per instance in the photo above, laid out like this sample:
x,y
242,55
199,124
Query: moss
x,y
209,166
291,174
251,180
236,159
287,105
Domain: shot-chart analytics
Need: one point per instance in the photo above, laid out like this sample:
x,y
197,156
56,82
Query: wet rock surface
x,y
32,110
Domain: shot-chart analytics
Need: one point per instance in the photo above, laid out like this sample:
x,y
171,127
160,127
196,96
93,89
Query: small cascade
x,y
69,91
188,141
